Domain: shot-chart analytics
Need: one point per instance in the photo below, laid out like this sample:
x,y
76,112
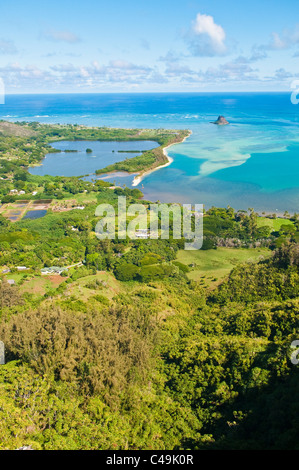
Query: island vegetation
x,y
139,344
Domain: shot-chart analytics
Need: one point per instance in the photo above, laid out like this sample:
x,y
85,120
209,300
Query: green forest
x,y
139,344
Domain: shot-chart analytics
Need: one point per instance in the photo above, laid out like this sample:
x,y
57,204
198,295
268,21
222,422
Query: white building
x,y
142,233
53,270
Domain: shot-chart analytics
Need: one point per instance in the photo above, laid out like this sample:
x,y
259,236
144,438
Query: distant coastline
x,y
207,170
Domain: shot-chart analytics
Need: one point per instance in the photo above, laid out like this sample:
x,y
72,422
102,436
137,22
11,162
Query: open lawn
x,y
212,266
34,284
39,285
86,197
102,283
67,204
274,224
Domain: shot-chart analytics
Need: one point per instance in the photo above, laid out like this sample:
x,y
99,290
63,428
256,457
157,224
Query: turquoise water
x,y
252,162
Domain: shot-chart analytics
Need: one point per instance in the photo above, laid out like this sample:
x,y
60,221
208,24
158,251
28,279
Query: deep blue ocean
x,y
252,162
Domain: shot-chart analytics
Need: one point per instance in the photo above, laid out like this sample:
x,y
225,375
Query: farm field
x,y
15,211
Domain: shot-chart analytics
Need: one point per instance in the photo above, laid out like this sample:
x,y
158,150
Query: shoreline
x,y
137,179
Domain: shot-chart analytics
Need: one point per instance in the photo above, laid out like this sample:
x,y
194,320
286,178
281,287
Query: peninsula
x,y
144,173
150,160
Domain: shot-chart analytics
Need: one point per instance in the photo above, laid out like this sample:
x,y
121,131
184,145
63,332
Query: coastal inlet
x,y
73,159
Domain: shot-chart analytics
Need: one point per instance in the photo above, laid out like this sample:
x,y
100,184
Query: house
x,y
15,191
53,270
142,233
11,282
21,268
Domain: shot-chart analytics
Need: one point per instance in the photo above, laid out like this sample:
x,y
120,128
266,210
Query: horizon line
x,y
143,92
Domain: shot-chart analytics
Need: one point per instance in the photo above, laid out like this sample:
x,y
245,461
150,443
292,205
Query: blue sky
x,y
135,46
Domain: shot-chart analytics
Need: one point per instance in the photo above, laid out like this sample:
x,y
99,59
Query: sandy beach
x,y
137,180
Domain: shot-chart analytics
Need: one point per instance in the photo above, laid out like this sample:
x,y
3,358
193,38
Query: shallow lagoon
x,y
81,163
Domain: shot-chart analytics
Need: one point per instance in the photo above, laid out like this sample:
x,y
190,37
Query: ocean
x,y
252,162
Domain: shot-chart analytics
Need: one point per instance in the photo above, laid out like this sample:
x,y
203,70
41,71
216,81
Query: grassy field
x,y
274,224
39,285
108,287
85,198
211,266
17,277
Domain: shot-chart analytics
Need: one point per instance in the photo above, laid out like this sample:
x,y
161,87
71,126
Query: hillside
x,y
12,129
139,344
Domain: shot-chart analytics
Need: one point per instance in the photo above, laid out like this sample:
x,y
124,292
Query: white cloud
x,y
229,72
170,58
285,40
7,47
62,36
205,24
207,38
282,74
91,76
277,42
178,69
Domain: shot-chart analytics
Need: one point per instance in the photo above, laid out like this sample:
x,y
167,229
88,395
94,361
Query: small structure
x,y
15,191
11,282
141,233
21,268
53,270
25,448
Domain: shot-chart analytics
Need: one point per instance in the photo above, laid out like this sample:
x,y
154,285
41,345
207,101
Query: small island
x,y
221,121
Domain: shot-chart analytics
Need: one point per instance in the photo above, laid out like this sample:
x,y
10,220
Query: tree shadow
x,y
270,416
